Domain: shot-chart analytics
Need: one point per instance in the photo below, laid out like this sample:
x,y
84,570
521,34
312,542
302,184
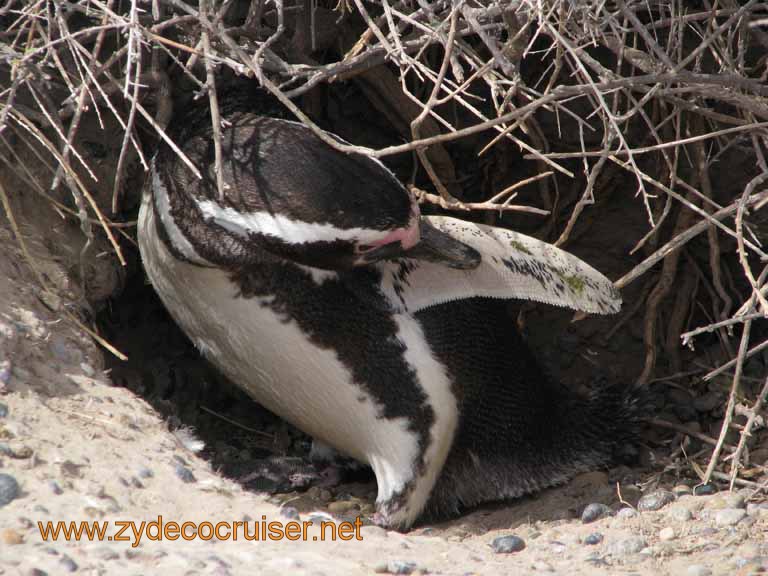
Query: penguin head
x,y
298,198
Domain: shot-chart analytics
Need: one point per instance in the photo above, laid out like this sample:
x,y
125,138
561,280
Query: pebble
x,y
627,546
593,539
595,512
9,489
729,516
758,509
667,534
342,506
682,490
727,500
507,544
704,490
19,451
55,487
289,512
11,537
145,472
626,513
680,514
655,500
184,473
68,564
3,410
698,570
395,567
5,374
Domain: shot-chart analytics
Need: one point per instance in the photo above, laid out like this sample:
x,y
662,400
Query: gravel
x,y
679,513
9,489
627,546
655,500
507,544
729,516
184,473
594,512
593,539
395,567
704,490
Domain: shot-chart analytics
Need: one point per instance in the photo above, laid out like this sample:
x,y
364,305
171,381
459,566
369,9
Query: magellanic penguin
x,y
315,284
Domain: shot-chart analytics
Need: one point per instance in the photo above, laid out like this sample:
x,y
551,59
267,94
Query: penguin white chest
x,y
311,374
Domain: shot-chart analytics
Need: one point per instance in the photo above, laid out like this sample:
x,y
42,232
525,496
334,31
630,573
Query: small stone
x,y
626,513
704,490
87,369
655,500
11,537
679,513
184,473
595,512
55,487
667,534
729,516
9,489
68,564
507,544
735,500
70,469
627,546
5,373
698,570
19,451
395,567
593,539
682,490
343,506
3,410
289,512
759,509
145,472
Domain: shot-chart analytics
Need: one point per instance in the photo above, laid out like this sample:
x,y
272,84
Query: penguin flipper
x,y
512,266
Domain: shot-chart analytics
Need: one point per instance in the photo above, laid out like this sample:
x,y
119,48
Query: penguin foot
x,y
281,474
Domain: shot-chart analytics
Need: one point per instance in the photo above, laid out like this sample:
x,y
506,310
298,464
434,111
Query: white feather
x,y
513,266
283,227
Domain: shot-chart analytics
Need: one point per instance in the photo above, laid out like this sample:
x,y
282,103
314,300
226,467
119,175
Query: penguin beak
x,y
433,245
438,247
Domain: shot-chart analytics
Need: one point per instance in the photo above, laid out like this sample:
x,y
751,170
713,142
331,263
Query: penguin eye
x,y
363,248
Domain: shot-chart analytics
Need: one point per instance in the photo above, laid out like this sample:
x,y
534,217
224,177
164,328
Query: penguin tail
x,y
557,436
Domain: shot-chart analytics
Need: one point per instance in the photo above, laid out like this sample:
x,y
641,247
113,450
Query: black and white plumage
x,y
316,285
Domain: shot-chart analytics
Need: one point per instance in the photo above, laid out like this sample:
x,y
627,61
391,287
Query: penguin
x,y
314,282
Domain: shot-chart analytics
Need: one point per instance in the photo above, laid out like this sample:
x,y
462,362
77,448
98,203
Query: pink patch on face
x,y
408,237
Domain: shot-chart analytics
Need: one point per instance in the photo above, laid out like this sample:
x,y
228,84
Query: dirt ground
x,y
87,437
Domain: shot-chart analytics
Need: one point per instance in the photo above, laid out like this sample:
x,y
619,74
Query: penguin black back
x,y
519,430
